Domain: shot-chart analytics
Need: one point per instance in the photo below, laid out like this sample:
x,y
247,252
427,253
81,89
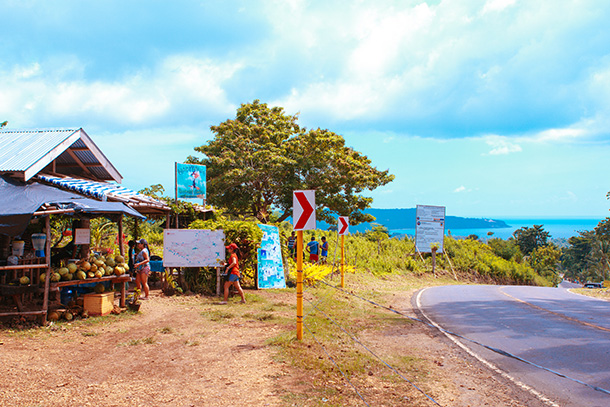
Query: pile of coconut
x,y
95,266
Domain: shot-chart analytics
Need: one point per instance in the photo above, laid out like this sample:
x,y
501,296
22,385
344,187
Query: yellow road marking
x,y
556,313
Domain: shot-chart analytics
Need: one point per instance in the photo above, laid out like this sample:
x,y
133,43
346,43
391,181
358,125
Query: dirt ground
x,y
191,351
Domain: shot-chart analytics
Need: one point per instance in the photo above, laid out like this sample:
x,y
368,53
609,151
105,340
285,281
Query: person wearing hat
x,y
142,266
232,270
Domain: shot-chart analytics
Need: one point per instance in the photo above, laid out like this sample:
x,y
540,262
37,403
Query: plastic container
x,y
38,241
66,295
18,246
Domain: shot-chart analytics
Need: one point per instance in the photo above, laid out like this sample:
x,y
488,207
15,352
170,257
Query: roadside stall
x,y
38,173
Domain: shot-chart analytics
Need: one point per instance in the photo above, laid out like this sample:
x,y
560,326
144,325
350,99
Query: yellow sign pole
x,y
342,261
299,284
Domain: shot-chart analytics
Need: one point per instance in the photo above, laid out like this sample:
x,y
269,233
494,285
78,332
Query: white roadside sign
x,y
429,228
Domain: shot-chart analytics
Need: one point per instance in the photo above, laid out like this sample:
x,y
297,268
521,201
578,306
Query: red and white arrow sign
x,y
304,210
343,226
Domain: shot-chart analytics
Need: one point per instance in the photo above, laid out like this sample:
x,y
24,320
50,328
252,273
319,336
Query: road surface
x,y
549,327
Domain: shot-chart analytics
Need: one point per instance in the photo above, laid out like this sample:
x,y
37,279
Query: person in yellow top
x,y
232,270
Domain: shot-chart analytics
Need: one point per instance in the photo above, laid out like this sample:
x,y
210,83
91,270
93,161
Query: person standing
x,y
232,270
142,266
291,244
313,248
131,257
323,250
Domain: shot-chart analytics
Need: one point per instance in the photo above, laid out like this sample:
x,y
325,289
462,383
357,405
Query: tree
x,y
507,249
529,239
544,260
3,124
256,161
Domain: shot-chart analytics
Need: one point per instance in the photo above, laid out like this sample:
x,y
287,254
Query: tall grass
x,y
464,258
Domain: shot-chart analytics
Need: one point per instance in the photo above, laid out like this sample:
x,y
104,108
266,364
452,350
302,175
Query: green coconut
x,y
25,280
99,288
72,267
81,275
55,277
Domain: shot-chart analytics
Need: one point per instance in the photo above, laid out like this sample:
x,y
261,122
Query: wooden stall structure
x,y
56,172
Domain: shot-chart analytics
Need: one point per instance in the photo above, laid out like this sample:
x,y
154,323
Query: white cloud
x,y
178,84
459,189
497,5
501,145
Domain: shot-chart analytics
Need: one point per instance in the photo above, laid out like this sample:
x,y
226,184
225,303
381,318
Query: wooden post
x,y
433,249
300,285
121,250
47,254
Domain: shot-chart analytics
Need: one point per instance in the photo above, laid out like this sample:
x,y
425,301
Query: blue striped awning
x,y
99,190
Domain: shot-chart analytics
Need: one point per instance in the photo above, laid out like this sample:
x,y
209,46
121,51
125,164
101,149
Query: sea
x,y
557,228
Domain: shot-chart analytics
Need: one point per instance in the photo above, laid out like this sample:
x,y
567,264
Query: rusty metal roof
x,y
71,152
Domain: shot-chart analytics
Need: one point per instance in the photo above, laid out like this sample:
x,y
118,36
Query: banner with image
x,y
270,265
190,181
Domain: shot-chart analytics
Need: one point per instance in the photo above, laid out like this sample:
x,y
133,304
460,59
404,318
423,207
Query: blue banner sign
x,y
190,181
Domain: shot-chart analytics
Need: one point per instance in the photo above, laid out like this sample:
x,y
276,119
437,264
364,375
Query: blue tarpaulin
x,y
19,201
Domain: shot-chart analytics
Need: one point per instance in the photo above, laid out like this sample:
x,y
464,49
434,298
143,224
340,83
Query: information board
x,y
270,265
429,227
193,248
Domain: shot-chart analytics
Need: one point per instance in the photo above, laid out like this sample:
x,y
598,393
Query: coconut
x,y
90,274
25,280
72,267
68,316
85,265
43,276
53,316
67,276
98,274
80,275
55,277
110,262
99,288
93,268
63,271
108,271
119,271
99,263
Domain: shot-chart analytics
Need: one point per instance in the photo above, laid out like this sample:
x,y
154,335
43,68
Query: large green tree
x,y
528,239
255,162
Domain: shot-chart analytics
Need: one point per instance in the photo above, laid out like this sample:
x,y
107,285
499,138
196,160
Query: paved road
x,y
550,327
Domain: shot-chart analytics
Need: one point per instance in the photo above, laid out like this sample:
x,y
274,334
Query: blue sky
x,y
492,108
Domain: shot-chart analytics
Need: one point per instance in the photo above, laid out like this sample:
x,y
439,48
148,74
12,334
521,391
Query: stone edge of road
x,y
484,361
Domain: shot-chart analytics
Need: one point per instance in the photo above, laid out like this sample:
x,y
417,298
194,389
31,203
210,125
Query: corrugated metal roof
x,y
25,153
20,149
107,191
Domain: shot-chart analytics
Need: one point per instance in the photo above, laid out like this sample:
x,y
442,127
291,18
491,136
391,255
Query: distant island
x,y
404,218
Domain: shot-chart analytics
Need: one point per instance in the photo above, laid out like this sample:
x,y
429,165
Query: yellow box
x,y
99,304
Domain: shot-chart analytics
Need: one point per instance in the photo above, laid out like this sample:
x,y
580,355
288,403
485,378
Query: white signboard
x,y
429,227
193,248
82,236
304,210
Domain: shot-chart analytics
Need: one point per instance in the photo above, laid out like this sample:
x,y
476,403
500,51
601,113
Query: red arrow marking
x,y
344,225
307,210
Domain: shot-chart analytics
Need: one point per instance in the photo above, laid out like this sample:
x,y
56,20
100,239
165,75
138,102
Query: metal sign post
x,y
343,229
304,218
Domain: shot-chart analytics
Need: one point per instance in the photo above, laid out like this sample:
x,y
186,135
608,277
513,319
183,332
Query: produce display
x,y
95,266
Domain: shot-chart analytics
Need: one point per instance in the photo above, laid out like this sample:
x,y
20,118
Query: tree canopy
x,y
529,239
256,161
